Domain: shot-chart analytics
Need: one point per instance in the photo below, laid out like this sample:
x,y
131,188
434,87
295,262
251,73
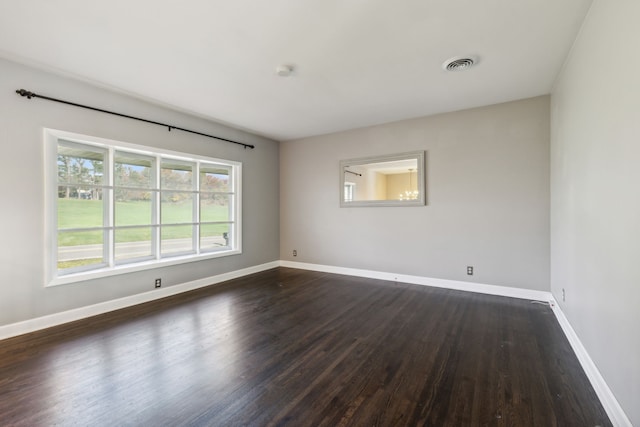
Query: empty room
x,y
320,213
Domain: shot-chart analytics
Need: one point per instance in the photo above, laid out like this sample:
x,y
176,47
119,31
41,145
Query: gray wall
x,y
595,194
22,292
487,191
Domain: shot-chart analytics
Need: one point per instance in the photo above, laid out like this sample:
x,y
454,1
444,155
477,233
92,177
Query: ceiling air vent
x,y
458,64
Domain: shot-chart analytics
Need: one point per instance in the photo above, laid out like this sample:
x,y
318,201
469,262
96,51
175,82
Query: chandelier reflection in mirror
x,y
410,194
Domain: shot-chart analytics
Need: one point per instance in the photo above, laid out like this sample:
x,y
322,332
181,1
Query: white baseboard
x,y
55,319
481,288
609,402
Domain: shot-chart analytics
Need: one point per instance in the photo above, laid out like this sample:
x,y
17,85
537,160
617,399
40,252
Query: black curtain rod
x,y
29,95
355,173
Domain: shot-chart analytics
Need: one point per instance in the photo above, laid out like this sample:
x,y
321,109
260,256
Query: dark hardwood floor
x,y
299,348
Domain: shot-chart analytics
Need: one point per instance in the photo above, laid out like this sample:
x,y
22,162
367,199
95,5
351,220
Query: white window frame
x,y
52,274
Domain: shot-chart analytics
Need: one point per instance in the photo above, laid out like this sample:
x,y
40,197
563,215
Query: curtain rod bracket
x,y
29,95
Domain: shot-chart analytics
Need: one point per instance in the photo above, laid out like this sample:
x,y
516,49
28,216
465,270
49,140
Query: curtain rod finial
x,y
23,92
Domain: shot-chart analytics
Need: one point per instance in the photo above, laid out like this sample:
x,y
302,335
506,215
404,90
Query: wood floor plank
x,y
301,348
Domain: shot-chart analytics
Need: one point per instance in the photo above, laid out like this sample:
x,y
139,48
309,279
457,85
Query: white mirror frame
x,y
417,155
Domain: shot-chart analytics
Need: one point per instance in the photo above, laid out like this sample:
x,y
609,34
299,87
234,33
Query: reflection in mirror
x,y
393,180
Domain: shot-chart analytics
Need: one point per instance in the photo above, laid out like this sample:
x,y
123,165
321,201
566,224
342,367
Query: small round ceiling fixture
x,y
459,63
284,70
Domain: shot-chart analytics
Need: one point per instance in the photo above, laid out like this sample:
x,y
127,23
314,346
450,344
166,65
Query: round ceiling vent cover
x,y
458,64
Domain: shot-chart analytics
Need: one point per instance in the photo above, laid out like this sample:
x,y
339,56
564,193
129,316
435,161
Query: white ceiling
x,y
358,62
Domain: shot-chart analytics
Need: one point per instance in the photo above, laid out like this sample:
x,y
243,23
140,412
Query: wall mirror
x,y
392,180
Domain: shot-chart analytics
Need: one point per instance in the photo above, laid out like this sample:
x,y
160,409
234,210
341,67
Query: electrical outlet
x,y
158,283
563,295
295,252
469,270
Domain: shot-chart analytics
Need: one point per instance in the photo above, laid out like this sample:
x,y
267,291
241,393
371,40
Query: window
x,y
116,207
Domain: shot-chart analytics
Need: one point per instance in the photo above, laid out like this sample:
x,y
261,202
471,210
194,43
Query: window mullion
x,y
236,207
51,201
156,197
109,208
196,208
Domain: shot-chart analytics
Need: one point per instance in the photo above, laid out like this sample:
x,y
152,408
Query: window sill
x,y
140,266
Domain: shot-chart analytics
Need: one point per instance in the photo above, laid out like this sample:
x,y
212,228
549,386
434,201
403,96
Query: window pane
x,y
176,239
80,248
214,178
132,170
176,175
214,207
80,207
134,211
176,207
133,243
80,165
214,236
